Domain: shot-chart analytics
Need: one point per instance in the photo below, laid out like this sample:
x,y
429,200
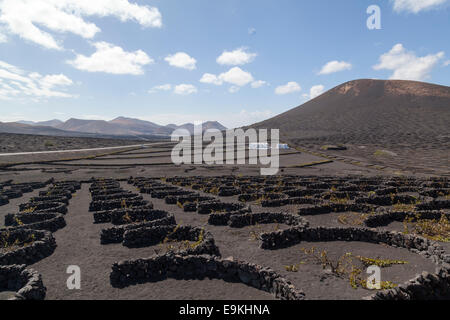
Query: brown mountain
x,y
22,128
209,125
91,126
120,126
49,123
140,126
40,130
379,112
129,126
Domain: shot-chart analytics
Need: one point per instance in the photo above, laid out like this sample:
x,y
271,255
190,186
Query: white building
x,y
265,146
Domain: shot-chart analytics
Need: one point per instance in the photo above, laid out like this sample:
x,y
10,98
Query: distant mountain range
x,y
120,126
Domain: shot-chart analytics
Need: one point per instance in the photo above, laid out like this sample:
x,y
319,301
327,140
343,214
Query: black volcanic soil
x,y
155,160
11,143
79,244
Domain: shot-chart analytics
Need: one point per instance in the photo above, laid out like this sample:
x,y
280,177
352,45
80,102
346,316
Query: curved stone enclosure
x,y
293,236
135,201
159,268
3,200
426,286
249,219
128,215
115,234
113,196
385,218
45,211
54,198
27,283
44,206
38,245
203,242
36,221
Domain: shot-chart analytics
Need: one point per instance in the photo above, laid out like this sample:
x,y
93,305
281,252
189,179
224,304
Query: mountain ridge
x,y
369,111
120,126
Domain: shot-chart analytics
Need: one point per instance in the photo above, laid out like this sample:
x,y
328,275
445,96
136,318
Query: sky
x,y
237,62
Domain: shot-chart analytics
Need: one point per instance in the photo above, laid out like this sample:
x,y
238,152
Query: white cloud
x,y
3,38
51,81
181,60
236,76
112,59
13,69
185,89
233,89
406,65
15,83
211,79
237,57
314,92
335,66
258,84
163,87
290,87
416,6
447,63
25,17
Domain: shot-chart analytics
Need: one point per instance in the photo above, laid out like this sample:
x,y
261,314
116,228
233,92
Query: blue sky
x,y
174,61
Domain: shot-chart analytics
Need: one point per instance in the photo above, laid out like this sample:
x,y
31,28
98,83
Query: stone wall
x,y
208,207
434,205
113,196
223,218
115,234
3,200
389,200
288,201
249,219
120,217
385,218
159,268
57,193
41,247
27,283
135,201
427,286
36,221
335,207
44,206
293,236
52,198
150,236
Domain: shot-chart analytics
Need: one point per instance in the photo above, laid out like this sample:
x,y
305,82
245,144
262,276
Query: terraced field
x,y
243,237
